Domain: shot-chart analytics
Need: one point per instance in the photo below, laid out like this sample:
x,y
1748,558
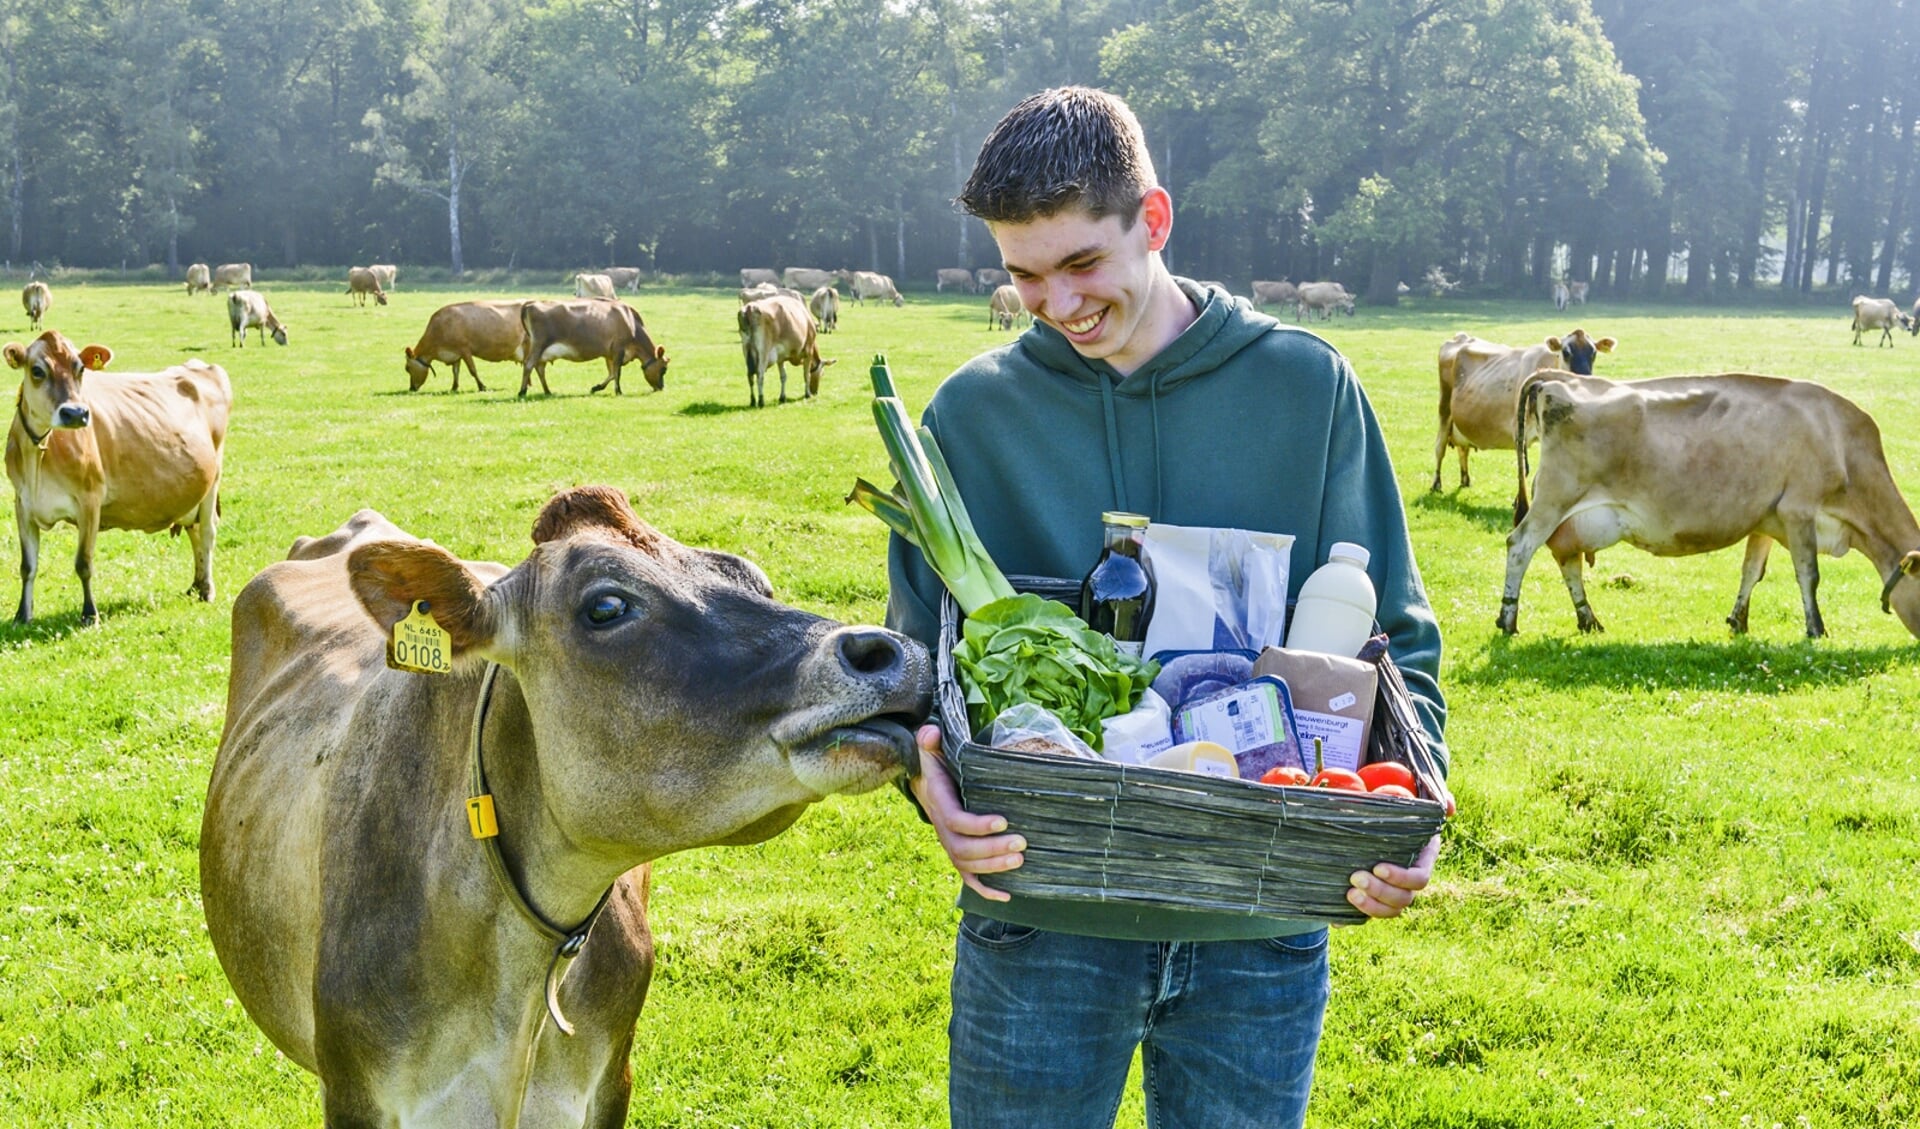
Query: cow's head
x,y
418,370
813,374
50,395
672,701
1577,350
1904,598
640,347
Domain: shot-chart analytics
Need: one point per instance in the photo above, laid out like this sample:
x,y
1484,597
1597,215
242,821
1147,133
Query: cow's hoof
x,y
1738,623
1508,622
1590,625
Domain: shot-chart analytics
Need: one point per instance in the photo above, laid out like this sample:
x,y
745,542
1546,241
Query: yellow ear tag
x,y
480,818
420,644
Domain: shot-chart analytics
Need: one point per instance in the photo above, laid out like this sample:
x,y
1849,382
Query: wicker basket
x,y
1109,832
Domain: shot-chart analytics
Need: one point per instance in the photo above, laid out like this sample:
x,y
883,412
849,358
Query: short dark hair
x,y
1061,148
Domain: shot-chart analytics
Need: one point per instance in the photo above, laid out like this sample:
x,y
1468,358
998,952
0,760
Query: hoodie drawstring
x,y
1113,444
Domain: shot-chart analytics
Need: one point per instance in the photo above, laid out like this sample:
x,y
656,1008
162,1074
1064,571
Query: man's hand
x,y
1387,889
975,844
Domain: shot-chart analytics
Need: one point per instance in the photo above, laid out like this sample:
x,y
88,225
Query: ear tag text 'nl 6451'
x,y
419,644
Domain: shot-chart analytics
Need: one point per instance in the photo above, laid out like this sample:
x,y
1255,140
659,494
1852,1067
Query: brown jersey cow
x,y
775,332
583,330
461,331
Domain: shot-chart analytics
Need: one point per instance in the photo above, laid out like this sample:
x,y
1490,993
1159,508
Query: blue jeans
x,y
1045,1025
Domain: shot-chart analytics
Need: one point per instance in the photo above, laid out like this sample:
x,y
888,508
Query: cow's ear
x,y
16,355
1555,344
95,357
388,576
660,352
1605,344
599,508
824,364
409,350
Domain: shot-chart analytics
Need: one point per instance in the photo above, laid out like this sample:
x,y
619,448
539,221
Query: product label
x,y
1241,721
1342,702
1130,649
1339,737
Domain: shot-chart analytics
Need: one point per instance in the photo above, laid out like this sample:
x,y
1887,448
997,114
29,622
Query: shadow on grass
x,y
1738,664
1495,517
52,628
712,408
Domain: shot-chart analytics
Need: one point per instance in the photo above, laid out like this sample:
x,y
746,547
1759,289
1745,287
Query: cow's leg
x,y
783,381
1522,544
1886,335
526,377
29,560
1751,570
613,377
89,525
203,533
1569,561
1804,544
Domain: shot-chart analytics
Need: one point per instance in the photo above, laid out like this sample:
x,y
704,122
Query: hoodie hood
x,y
1225,326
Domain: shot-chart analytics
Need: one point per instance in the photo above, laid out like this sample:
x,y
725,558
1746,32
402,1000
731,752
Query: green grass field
x,y
1679,891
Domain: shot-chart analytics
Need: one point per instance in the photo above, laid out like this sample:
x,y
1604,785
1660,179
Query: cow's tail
x,y
1525,404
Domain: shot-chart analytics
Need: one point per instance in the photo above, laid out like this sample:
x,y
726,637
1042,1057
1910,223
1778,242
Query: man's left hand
x,y
1387,889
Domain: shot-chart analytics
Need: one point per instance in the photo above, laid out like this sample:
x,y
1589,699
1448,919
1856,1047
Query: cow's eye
x,y
39,371
605,608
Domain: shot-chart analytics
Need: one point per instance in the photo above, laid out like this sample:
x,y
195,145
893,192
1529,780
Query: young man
x,y
1138,391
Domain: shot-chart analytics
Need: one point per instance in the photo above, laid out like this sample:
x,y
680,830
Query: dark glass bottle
x,y
1117,595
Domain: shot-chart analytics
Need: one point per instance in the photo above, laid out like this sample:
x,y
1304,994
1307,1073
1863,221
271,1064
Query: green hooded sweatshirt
x,y
1241,422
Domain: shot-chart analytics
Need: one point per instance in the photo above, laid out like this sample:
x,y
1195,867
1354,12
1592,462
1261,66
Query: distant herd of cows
x,y
1786,461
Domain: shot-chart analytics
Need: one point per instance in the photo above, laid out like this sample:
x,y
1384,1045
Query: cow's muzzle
x,y
72,415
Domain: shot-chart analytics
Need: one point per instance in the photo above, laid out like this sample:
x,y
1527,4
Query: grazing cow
x,y
1437,283
232,276
824,305
386,273
38,299
777,332
1561,295
628,277
754,276
1480,384
806,279
1689,464
769,290
1577,293
593,286
986,278
1913,320
248,309
199,278
462,331
1004,307
1878,313
1280,293
865,284
582,330
113,450
361,281
614,698
1324,297
954,276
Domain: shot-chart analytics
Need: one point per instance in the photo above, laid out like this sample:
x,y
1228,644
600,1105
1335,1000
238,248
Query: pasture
x,y
1679,891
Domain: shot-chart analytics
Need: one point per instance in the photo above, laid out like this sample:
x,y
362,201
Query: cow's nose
x,y
868,651
72,415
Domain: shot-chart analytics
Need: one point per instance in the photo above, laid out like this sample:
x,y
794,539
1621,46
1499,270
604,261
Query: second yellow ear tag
x,y
419,644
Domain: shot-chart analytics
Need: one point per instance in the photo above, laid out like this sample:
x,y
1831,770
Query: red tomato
x,y
1394,790
1284,774
1386,772
1341,778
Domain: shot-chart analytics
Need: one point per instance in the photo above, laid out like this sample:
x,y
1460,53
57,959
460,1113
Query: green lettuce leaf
x,y
1027,648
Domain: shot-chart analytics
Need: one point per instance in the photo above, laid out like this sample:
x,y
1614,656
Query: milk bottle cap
x,y
1348,551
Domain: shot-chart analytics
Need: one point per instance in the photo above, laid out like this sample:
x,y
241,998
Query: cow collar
x,y
567,942
20,409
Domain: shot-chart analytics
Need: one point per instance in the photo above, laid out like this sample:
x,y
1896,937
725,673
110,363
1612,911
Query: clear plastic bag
x,y
1034,729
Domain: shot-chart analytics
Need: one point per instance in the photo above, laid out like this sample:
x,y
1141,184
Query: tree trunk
x,y
173,237
1816,206
959,176
1759,147
453,211
1890,243
899,235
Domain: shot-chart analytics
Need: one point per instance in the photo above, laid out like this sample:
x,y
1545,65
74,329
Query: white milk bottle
x,y
1334,615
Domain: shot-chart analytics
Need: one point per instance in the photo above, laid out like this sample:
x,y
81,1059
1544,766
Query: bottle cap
x,y
1121,517
1348,551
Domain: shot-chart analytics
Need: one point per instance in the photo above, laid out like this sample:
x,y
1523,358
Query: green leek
x,y
925,507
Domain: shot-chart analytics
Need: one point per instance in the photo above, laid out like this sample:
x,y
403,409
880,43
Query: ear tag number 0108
x,y
419,644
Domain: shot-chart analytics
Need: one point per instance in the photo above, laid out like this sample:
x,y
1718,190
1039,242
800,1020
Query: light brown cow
x,y
232,276
37,298
769,290
777,331
1577,293
386,273
1877,313
754,276
199,278
865,284
619,696
1270,292
590,285
824,305
460,332
113,451
954,276
248,309
1480,385
987,278
1690,464
585,329
806,279
1004,307
628,277
361,281
1324,298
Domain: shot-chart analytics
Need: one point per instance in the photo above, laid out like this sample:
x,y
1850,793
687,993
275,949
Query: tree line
x,y
1714,146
